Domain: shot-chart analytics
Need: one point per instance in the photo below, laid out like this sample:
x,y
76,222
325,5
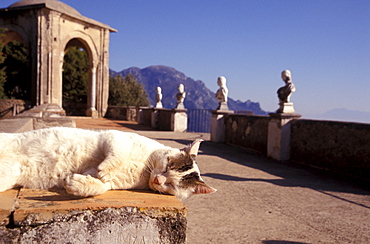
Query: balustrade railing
x,y
199,120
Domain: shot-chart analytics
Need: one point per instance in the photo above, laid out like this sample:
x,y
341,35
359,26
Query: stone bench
x,y
35,216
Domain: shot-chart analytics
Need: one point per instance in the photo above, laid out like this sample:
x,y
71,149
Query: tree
x,y
126,91
18,85
75,76
2,67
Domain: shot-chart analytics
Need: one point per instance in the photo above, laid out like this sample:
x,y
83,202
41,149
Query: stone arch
x,y
15,33
85,41
76,104
13,36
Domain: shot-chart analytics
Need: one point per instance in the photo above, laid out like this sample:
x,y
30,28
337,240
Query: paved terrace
x,y
263,201
260,200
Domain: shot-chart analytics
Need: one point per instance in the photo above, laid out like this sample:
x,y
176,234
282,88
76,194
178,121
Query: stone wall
x,y
146,116
128,113
164,119
249,131
156,118
336,146
7,105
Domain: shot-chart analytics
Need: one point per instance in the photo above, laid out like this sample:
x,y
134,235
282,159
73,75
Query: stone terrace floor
x,y
260,200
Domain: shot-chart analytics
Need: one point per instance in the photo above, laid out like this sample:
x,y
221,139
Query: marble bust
x,y
180,96
222,93
158,97
285,92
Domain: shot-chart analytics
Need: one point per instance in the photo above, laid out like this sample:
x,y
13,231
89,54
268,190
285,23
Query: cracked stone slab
x,y
8,200
41,206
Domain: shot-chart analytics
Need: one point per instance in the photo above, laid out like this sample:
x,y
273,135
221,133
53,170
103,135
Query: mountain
x,y
198,96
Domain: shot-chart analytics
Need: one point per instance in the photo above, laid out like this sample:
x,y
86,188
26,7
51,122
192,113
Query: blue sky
x,y
325,44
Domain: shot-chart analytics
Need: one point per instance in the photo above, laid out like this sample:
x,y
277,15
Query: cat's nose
x,y
160,179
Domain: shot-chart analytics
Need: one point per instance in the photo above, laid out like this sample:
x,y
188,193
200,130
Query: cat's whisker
x,y
148,170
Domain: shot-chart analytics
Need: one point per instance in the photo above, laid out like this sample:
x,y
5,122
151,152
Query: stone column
x,y
92,112
154,118
218,125
179,120
279,131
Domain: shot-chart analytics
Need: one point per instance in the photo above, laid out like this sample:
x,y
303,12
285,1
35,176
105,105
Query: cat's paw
x,y
105,174
74,184
84,185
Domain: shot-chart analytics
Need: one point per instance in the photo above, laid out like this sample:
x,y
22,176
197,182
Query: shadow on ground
x,y
290,174
282,242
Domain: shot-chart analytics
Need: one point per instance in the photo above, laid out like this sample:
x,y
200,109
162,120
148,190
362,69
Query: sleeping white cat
x,y
88,163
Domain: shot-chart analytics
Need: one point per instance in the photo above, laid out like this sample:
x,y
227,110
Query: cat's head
x,y
176,172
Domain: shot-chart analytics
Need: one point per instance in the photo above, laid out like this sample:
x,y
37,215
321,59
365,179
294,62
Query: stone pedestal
x,y
158,105
223,106
93,113
171,119
154,118
286,108
279,130
179,120
180,106
218,125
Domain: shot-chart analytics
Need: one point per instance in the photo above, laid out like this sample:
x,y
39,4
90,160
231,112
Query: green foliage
x,y
18,85
2,67
14,76
75,75
126,92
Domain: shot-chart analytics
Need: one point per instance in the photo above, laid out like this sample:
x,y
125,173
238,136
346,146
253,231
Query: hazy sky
x,y
325,44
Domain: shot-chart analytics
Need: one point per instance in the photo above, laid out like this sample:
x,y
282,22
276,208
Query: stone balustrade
x,y
335,146
332,145
157,118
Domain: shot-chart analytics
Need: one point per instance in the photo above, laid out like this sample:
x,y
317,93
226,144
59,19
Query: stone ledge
x,y
16,125
114,217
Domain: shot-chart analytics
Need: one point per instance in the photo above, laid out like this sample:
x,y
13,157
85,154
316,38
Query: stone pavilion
x,y
48,28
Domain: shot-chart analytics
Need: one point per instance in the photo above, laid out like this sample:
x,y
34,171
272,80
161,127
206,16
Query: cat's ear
x,y
193,148
202,188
